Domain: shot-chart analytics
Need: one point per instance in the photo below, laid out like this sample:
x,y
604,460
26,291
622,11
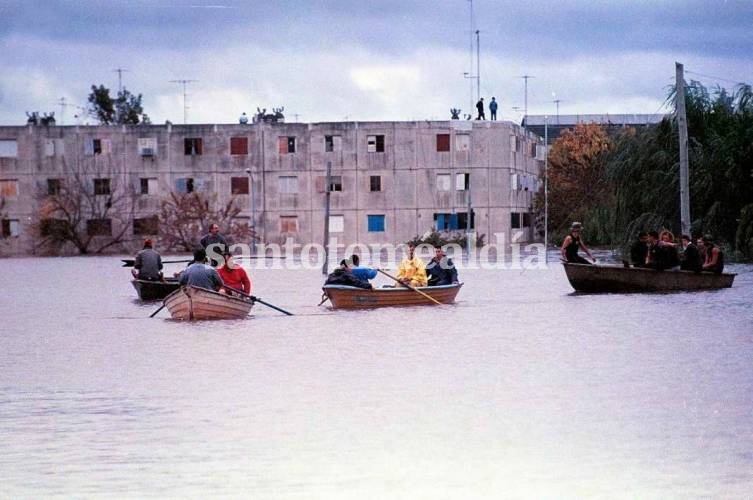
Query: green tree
x,y
126,108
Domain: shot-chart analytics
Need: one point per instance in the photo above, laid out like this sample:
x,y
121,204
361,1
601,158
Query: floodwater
x,y
520,390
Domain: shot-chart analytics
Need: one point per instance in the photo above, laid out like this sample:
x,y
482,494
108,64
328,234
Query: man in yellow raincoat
x,y
412,270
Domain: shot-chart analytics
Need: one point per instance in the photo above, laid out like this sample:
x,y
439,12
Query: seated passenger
x,y
343,276
573,241
661,254
233,275
639,249
412,270
148,263
199,274
714,256
364,273
441,270
691,256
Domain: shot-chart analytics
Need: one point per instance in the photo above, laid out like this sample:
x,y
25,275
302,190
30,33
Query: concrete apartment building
x,y
390,181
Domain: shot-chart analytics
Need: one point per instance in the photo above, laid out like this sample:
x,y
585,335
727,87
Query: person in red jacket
x,y
234,276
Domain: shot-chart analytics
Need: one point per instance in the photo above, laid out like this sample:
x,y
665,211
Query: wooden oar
x,y
130,262
158,310
412,288
257,299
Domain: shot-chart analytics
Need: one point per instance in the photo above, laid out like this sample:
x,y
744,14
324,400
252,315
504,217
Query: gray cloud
x,y
364,60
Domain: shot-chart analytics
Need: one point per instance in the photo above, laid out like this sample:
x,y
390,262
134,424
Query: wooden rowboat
x,y
191,302
155,290
618,279
348,297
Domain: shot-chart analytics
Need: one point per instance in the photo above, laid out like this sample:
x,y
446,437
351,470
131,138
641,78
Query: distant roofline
x,y
602,119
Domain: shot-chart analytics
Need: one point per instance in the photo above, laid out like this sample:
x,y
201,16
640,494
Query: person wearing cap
x,y
233,275
148,263
714,256
573,241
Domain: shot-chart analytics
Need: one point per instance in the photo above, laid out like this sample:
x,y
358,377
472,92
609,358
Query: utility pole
x,y
682,126
557,102
185,107
120,72
325,266
546,186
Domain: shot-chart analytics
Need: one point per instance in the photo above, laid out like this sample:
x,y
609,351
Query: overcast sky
x,y
334,60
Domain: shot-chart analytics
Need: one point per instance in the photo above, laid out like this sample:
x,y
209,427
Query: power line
x,y
715,78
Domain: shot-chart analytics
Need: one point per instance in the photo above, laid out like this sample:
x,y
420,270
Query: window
x,y
332,143
462,182
515,220
147,146
97,146
185,185
287,184
10,228
335,182
54,186
99,227
286,145
454,221
192,146
8,148
8,188
375,143
336,223
101,186
445,222
54,147
375,223
55,228
146,225
443,182
239,145
462,142
443,142
375,183
526,220
148,185
288,224
239,185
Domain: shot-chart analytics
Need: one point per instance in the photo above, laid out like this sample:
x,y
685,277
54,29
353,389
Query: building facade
x,y
389,181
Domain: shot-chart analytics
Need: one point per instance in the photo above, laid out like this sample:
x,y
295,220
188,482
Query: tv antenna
x,y
120,72
184,82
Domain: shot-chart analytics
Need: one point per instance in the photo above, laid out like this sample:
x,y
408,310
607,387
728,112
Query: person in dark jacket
x,y
691,257
148,263
343,276
639,249
441,270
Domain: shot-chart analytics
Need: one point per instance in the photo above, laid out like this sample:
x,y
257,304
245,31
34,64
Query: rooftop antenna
x,y
65,104
525,106
184,82
120,72
557,103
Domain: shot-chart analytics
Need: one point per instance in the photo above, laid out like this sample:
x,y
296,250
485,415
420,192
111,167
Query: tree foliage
x,y
577,186
126,108
632,182
185,217
80,216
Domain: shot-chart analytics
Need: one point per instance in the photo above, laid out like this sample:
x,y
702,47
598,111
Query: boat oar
x,y
257,299
158,310
130,262
412,288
